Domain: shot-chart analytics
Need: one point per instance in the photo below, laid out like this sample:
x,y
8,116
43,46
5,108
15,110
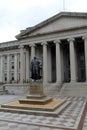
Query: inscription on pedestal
x,y
36,88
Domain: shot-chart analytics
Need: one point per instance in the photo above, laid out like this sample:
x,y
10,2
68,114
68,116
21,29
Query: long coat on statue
x,y
36,67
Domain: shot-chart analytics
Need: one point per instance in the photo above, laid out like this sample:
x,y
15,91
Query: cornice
x,y
56,31
9,44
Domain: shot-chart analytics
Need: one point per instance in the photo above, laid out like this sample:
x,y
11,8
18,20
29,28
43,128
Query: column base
x,y
73,81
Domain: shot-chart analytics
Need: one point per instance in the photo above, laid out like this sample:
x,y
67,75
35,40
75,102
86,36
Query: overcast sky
x,y
16,15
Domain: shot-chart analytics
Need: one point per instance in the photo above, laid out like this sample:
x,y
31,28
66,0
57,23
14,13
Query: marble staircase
x,y
74,89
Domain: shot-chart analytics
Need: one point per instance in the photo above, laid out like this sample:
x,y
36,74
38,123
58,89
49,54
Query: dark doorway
x,y
53,63
66,61
80,60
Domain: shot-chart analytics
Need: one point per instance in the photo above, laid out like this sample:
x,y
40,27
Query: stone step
x,y
3,89
3,92
74,89
75,85
35,96
43,113
35,107
36,101
52,89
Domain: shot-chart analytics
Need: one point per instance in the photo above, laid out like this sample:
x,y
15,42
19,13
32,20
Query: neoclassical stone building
x,y
60,42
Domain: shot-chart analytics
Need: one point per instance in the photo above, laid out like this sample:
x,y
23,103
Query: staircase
x,y
3,89
74,89
52,89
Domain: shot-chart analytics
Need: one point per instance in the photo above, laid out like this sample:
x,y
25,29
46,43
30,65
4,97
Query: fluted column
x,y
8,68
27,65
15,68
22,71
72,59
44,62
58,61
85,49
32,50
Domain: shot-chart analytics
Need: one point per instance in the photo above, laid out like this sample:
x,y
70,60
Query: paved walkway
x,y
74,117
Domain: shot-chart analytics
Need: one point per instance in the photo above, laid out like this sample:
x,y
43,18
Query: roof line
x,y
30,29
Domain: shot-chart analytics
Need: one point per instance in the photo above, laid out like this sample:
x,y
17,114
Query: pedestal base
x,y
36,88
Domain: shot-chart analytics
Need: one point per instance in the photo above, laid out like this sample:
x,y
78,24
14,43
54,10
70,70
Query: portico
x,y
63,60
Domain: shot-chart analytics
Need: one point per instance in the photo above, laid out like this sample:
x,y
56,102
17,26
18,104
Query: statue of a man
x,y
36,69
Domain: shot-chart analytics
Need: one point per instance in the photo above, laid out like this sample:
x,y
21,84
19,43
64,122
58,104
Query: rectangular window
x,y
12,76
5,76
5,66
19,77
5,58
12,57
19,64
12,65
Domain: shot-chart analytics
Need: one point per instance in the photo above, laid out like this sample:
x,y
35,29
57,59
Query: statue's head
x,y
35,57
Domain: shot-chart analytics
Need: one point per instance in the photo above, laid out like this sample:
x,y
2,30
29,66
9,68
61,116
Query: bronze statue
x,y
36,69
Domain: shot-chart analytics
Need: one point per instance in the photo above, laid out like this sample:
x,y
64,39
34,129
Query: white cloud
x,y
8,33
21,5
20,14
79,6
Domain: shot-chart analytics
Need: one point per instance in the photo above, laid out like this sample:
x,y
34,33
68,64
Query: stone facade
x,y
60,42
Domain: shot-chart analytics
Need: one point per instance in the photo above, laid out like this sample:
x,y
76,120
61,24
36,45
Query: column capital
x,y
57,41
44,43
21,46
84,37
71,39
32,45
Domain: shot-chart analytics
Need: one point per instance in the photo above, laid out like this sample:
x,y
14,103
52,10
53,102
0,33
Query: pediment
x,y
60,22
